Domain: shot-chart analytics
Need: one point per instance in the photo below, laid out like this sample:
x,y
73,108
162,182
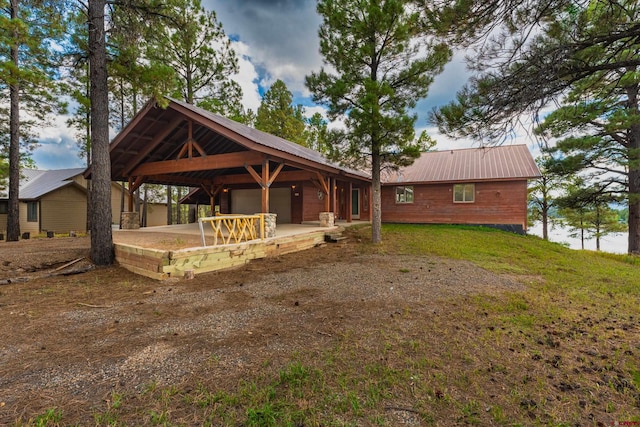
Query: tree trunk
x,y
545,222
87,148
376,220
13,212
101,236
634,175
179,207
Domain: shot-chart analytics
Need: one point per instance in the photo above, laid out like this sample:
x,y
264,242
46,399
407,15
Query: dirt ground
x,y
69,341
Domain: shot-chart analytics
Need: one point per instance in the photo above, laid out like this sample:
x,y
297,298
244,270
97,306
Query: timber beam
x,y
151,145
211,162
286,176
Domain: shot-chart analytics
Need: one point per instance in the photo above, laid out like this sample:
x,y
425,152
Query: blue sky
x,y
274,39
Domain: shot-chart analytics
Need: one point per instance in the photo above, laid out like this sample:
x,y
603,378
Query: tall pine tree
x,y
28,31
278,116
580,56
381,64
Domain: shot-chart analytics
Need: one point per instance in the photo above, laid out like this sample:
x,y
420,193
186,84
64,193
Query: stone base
x,y
327,219
130,220
269,225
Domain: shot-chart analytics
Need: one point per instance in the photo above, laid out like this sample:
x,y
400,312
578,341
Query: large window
x,y
32,211
4,207
404,194
464,193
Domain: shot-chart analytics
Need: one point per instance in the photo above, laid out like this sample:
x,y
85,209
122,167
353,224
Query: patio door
x,y
355,203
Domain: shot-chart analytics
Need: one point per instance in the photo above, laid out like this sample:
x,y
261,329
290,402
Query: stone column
x,y
269,225
327,219
130,220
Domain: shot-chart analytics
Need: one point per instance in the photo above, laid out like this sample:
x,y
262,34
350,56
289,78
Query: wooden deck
x,y
170,251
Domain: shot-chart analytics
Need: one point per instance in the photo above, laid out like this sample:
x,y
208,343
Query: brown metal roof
x,y
158,134
505,162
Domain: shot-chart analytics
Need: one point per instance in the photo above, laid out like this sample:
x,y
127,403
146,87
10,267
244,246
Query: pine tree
x,y
587,212
383,65
580,56
197,49
28,30
278,116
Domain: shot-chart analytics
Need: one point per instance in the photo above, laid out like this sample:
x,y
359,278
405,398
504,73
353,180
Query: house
x,y
233,168
56,200
481,186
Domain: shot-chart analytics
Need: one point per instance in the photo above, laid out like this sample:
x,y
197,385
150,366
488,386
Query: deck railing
x,y
233,228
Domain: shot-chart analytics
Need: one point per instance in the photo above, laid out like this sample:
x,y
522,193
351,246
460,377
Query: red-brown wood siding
x,y
297,201
312,205
500,202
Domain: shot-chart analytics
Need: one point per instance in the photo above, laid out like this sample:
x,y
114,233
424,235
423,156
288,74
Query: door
x,y
249,202
355,203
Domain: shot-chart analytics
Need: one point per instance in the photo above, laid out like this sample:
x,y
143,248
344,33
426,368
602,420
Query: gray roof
x,y
505,162
36,183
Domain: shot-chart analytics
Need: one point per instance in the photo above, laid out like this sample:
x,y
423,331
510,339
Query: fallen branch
x,y
13,280
23,279
94,306
70,263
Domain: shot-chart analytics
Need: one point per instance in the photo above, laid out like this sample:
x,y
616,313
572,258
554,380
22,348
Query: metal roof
x,y
505,162
36,183
158,134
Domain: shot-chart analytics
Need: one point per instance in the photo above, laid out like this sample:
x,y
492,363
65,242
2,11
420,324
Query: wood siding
x,y
500,202
156,214
311,205
64,210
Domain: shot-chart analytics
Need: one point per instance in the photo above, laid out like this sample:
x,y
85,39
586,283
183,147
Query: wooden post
x,y
333,191
130,205
349,202
265,186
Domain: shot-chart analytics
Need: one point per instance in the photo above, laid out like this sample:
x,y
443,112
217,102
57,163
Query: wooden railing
x,y
233,228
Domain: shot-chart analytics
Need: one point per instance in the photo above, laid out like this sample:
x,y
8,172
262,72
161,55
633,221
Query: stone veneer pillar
x,y
327,219
130,220
269,225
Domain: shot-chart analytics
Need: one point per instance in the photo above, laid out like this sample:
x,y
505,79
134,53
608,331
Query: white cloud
x,y
247,76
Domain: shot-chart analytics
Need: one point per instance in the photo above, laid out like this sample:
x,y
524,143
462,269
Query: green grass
x,y
563,350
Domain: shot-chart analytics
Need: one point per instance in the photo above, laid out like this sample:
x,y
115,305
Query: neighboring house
x,y
480,186
56,200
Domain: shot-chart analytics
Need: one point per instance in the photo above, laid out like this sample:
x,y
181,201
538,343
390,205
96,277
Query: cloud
x,y
282,35
57,150
247,76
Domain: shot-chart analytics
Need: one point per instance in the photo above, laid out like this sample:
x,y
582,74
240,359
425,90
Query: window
x,y
404,194
464,193
32,211
4,207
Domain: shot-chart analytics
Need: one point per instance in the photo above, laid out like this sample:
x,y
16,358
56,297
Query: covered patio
x,y
235,170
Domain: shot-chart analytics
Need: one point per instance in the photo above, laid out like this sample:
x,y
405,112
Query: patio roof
x,y
186,145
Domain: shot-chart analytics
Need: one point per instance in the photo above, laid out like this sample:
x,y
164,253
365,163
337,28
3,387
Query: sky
x,y
274,39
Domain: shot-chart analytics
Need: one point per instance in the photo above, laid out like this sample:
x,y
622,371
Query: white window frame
x,y
466,191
